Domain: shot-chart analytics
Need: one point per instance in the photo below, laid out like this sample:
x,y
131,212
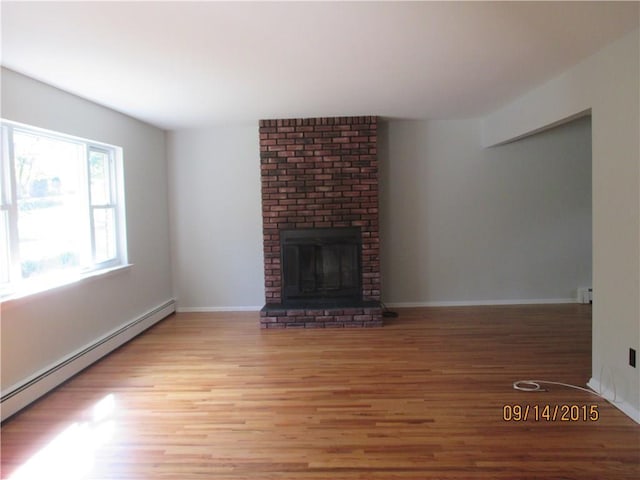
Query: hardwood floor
x,y
211,396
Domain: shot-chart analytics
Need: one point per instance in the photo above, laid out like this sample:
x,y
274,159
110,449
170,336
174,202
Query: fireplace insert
x,y
321,265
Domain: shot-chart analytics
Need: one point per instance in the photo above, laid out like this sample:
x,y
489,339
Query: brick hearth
x,y
320,173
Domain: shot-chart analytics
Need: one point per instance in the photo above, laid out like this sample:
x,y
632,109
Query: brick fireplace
x,y
320,222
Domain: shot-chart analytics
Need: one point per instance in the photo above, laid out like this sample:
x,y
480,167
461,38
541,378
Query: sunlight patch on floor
x,y
71,454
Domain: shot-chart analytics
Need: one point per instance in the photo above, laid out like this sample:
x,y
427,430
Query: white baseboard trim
x,y
19,396
218,309
536,301
471,303
610,396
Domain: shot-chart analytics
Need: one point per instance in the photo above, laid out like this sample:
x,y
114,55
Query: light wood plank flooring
x,y
211,396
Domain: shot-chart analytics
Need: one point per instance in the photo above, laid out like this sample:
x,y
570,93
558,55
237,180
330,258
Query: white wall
x,y
465,224
216,218
508,224
40,331
608,83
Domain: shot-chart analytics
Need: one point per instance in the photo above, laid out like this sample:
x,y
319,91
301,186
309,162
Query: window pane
x,y
100,177
5,259
104,227
5,252
51,197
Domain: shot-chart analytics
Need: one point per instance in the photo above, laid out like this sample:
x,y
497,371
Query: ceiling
x,y
188,64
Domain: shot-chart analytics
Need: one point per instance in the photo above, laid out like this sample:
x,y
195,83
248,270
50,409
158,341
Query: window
x,y
61,206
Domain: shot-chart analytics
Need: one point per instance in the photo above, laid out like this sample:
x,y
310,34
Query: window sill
x,y
31,290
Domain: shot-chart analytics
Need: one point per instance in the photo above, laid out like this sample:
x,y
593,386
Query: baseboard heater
x,y
21,396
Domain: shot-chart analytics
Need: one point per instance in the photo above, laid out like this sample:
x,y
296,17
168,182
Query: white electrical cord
x,y
536,386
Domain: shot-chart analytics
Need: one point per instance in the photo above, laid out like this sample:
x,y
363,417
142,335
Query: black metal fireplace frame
x,y
344,239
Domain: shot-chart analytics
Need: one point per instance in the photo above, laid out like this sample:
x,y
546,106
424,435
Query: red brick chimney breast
x,y
320,173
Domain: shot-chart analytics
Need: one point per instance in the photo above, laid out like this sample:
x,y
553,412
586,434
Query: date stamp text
x,y
550,413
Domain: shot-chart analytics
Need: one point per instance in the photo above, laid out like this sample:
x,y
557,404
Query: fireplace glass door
x,y
321,264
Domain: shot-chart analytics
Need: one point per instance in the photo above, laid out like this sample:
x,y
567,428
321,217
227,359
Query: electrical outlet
x,y
585,295
632,357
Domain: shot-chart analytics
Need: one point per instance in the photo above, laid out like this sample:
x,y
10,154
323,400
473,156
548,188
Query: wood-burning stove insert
x,y
321,265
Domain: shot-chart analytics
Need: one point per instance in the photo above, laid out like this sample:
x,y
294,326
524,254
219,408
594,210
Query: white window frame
x,y
11,282
112,204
